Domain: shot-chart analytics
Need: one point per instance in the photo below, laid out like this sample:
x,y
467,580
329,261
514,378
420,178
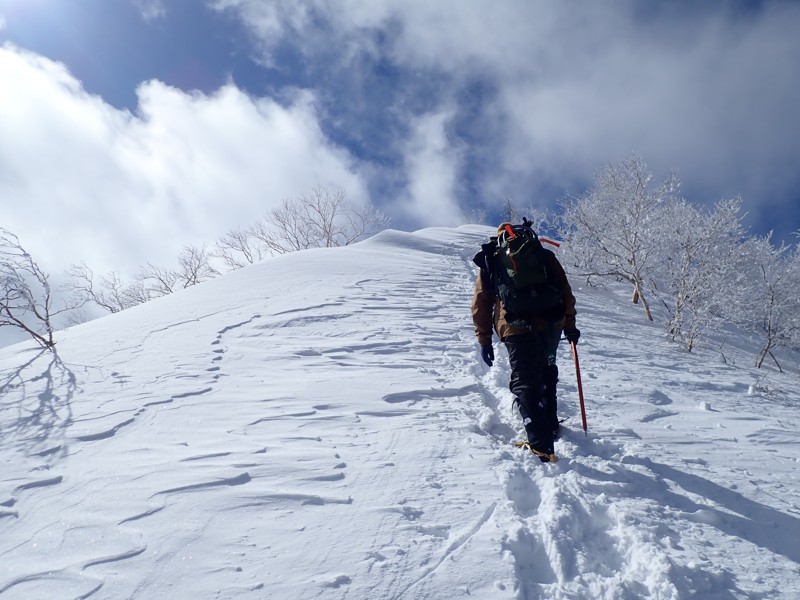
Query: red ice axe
x,y
580,387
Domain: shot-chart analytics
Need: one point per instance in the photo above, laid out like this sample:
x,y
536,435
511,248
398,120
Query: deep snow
x,y
320,426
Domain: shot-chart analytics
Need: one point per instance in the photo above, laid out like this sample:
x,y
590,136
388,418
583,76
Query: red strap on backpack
x,y
512,235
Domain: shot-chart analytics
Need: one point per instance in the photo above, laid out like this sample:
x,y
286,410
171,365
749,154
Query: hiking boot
x,y
540,454
543,450
544,456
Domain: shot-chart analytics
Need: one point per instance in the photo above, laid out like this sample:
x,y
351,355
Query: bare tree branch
x,y
194,265
321,218
26,300
239,248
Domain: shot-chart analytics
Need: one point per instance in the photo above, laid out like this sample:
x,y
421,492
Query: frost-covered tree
x,y
610,228
510,211
696,269
26,299
541,220
475,216
768,302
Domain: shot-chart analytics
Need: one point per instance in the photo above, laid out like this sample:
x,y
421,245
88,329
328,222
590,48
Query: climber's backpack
x,y
522,278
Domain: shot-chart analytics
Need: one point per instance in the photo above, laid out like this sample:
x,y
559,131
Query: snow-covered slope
x,y
320,426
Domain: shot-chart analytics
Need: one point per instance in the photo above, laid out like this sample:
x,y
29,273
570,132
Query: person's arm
x,y
483,311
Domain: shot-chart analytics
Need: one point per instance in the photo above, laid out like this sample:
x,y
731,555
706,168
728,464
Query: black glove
x,y
573,335
487,354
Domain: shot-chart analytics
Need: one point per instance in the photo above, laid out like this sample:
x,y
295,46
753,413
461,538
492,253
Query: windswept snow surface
x,y
320,426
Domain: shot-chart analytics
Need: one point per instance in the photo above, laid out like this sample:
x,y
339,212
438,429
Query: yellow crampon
x,y
543,456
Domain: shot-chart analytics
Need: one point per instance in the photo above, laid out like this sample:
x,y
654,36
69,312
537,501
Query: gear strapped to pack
x,y
523,279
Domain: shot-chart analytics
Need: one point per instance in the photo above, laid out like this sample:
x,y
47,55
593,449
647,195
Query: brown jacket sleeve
x,y
483,312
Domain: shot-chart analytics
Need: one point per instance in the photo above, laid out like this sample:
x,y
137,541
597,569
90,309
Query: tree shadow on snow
x,y
727,510
757,523
36,406
742,518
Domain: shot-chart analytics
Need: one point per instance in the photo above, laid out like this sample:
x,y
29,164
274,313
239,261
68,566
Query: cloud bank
x,y
427,108
709,89
83,181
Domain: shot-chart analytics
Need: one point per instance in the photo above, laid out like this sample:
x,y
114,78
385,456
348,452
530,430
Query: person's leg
x,y
550,379
550,397
526,355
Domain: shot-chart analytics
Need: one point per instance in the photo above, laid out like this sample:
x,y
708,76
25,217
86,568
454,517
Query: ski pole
x,y
580,387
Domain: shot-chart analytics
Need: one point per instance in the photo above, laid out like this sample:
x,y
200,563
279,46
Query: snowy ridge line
x,y
206,456
115,558
241,479
415,396
39,484
142,515
101,435
281,497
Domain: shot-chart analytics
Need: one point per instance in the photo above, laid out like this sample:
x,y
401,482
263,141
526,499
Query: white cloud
x,y
151,9
698,87
269,21
81,180
432,166
699,104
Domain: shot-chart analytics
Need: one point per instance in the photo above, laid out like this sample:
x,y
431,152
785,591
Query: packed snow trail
x,y
320,425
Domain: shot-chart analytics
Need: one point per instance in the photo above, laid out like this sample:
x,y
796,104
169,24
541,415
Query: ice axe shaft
x,y
580,387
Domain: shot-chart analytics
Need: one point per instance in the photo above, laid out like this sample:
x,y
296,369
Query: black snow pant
x,y
534,376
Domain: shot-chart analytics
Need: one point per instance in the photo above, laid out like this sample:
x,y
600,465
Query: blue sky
x,y
133,127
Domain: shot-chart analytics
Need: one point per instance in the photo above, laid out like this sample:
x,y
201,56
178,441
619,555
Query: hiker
x,y
531,334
